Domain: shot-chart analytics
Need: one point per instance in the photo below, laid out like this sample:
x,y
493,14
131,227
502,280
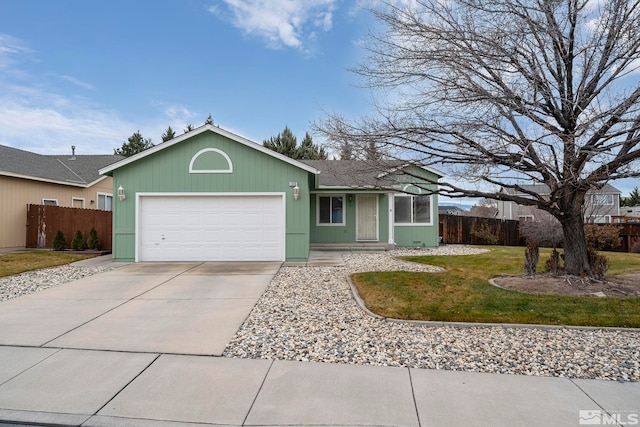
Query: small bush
x,y
635,248
553,264
602,236
547,231
531,257
93,242
78,243
59,242
599,264
485,235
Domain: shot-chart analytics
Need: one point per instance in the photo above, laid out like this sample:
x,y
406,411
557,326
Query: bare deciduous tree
x,y
507,92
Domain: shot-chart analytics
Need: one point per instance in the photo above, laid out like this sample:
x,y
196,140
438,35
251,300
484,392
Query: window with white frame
x,y
412,210
105,202
599,219
602,199
331,210
525,218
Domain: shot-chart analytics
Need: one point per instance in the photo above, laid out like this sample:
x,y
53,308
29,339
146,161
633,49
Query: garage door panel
x,y
211,228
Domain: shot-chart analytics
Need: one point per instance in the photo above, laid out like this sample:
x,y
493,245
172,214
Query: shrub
x,y
635,248
59,242
547,231
531,257
93,242
485,235
602,236
599,264
78,243
553,263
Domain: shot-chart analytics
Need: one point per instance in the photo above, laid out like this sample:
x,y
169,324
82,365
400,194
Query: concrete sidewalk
x,y
140,346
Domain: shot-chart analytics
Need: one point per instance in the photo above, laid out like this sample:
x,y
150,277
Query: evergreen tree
x,y
632,200
135,144
283,143
346,151
189,128
168,134
286,143
310,151
209,120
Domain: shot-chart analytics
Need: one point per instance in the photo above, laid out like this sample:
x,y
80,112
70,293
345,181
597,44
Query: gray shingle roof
x,y
82,170
355,173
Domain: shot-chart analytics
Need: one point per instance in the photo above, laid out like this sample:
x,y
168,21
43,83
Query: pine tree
x,y
209,120
168,134
310,151
284,143
134,145
189,128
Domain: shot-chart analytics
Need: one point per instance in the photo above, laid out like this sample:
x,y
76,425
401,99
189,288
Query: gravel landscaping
x,y
309,314
38,280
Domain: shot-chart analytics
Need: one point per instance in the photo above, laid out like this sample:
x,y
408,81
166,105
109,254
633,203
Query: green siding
x,y
167,171
419,235
347,233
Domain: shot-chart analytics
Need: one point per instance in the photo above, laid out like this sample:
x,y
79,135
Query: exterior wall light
x,y
296,192
121,194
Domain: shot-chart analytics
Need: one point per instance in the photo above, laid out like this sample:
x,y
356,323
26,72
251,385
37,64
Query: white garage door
x,y
211,228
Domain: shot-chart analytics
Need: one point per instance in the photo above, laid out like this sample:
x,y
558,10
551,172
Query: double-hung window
x,y
410,210
330,210
602,199
105,202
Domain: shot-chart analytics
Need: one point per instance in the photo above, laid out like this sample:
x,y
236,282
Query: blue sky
x,y
90,73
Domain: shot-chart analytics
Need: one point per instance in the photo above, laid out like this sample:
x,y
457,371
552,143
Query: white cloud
x,y
280,22
77,82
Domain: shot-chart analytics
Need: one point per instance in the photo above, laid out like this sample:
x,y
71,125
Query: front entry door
x,y
367,218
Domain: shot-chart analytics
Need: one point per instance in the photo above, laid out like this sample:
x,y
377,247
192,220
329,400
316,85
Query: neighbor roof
x,y
357,173
163,145
78,170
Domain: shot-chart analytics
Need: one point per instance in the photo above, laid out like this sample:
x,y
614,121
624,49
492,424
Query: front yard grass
x,y
462,293
19,262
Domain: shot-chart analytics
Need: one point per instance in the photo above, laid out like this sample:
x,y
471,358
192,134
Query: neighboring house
x,y
211,195
61,180
600,205
450,210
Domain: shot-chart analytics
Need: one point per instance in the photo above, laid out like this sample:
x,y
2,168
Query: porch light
x,y
296,192
121,194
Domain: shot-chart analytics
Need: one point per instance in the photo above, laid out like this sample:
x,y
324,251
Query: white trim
x,y
45,199
344,210
51,181
392,236
106,170
203,194
208,150
415,224
73,199
377,219
427,168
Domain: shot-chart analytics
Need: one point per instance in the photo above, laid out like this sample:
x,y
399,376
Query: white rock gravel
x,y
38,280
309,314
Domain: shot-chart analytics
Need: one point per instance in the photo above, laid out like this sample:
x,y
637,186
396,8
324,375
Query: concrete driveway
x,y
177,308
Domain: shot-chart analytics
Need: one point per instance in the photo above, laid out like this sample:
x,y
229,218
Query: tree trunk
x,y
576,258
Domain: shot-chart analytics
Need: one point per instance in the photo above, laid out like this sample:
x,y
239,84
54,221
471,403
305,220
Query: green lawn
x,y
19,262
463,294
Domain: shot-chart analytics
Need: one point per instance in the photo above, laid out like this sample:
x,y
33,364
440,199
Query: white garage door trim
x,y
277,255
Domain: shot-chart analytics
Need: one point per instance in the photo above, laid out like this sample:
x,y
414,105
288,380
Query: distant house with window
x,y
600,204
212,195
62,180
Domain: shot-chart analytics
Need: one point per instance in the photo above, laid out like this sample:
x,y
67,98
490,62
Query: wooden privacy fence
x,y
43,222
471,230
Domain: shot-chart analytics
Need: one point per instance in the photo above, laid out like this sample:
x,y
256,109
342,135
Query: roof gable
x,y
206,128
78,170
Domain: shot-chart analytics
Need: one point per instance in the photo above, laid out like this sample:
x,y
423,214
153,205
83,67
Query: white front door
x,y
367,218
